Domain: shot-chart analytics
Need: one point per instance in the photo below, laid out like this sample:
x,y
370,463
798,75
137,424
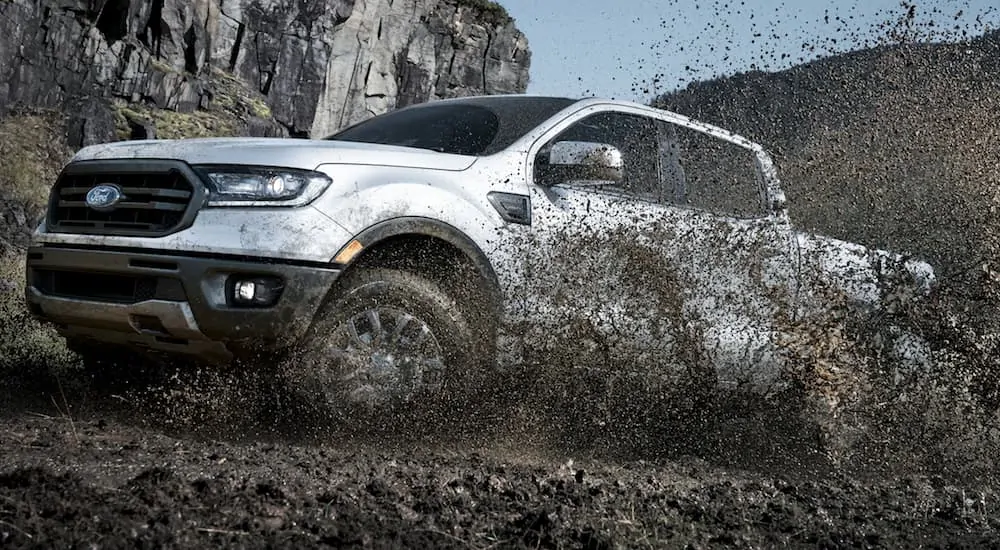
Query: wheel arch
x,y
408,241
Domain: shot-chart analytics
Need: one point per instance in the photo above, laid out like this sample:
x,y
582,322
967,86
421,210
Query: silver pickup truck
x,y
414,247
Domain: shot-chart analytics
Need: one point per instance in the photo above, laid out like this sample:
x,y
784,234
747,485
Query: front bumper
x,y
171,303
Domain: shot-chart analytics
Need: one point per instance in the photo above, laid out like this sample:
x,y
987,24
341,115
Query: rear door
x,y
667,270
738,257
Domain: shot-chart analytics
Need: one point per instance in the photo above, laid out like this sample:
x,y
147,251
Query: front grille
x,y
152,203
106,287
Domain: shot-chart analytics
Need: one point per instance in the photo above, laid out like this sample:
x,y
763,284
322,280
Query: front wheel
x,y
387,339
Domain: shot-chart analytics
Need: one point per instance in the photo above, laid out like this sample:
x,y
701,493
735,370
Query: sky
x,y
635,49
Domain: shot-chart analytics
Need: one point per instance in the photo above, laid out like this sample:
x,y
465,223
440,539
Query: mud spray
x,y
844,403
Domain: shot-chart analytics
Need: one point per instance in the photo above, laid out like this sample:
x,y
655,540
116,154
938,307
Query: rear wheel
x,y
390,339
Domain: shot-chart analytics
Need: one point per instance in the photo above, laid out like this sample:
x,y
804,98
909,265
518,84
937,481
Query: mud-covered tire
x,y
404,304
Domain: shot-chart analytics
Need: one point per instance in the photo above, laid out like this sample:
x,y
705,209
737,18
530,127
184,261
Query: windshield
x,y
474,126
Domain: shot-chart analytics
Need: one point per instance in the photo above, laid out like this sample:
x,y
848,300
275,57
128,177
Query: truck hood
x,y
305,154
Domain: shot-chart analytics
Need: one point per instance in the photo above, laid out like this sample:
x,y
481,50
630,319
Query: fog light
x,y
245,291
254,291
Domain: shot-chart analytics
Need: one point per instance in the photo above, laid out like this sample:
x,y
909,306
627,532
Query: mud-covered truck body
x,y
413,247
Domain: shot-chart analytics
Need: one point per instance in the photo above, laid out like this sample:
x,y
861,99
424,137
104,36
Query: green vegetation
x,y
235,96
161,66
233,103
31,154
32,151
175,125
489,8
22,339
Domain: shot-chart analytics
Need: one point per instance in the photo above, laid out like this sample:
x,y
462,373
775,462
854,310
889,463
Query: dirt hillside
x,y
893,147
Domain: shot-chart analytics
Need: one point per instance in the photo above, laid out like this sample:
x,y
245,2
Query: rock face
x,y
302,67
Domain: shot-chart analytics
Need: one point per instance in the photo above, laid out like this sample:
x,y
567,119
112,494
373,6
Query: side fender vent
x,y
513,208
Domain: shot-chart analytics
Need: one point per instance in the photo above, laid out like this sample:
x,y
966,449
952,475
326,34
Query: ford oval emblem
x,y
103,196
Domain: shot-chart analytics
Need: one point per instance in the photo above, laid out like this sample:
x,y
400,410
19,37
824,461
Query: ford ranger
x,y
417,246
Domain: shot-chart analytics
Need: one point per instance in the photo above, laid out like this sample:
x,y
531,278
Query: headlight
x,y
239,186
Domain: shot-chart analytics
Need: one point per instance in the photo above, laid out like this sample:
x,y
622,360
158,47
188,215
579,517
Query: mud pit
x,y
197,460
152,490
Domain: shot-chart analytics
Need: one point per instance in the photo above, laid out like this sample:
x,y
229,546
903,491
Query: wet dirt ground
x,y
191,465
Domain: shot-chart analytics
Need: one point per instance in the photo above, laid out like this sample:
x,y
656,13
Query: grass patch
x,y
233,95
161,66
32,151
23,340
233,104
174,125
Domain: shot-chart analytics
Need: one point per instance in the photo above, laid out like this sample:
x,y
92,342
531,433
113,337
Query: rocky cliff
x,y
263,67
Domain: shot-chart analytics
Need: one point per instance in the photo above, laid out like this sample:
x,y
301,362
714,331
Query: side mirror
x,y
582,162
